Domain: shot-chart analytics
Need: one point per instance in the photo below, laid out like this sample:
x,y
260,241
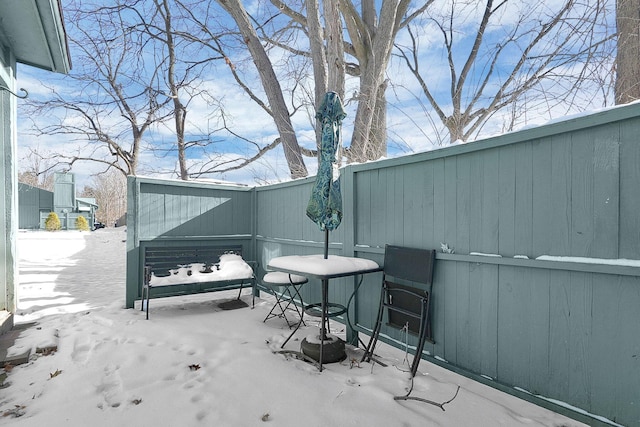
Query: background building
x,y
35,204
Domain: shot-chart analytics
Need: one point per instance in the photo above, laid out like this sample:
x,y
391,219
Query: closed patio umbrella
x,y
325,205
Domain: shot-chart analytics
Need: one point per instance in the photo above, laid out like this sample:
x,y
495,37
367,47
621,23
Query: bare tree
x,y
504,54
35,170
627,87
165,24
110,191
371,32
199,26
146,74
372,36
164,32
116,96
271,85
140,67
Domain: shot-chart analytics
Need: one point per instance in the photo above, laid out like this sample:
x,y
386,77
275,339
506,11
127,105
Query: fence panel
x,y
178,213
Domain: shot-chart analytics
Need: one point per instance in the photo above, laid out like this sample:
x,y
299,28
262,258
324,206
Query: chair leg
x,y
254,289
296,291
421,338
291,335
284,300
278,304
368,353
148,298
290,301
279,296
146,285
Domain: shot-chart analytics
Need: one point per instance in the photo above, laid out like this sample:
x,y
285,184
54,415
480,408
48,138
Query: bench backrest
x,y
165,258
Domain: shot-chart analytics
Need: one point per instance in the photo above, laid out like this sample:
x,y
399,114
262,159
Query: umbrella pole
x,y
326,243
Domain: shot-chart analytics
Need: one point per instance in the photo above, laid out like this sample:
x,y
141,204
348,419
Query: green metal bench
x,y
183,270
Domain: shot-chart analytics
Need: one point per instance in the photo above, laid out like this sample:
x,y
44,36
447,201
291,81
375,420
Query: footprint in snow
x,y
110,388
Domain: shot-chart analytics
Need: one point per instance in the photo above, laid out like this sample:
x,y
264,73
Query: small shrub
x,y
82,224
52,223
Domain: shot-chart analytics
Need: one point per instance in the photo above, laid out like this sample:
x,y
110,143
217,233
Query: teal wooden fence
x,y
33,202
170,213
540,296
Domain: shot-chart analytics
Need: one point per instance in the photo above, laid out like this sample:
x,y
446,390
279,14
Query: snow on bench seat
x,y
172,271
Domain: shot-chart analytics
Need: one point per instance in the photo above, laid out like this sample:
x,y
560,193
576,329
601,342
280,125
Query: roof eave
x,y
34,31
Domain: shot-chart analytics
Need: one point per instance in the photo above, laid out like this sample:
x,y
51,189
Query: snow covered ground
x,y
193,364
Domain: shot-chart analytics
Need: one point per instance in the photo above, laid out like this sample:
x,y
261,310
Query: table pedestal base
x,y
332,348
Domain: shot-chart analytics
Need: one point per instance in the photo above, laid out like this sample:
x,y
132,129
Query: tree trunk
x,y
271,86
318,55
373,46
319,61
379,124
179,111
627,87
327,53
335,47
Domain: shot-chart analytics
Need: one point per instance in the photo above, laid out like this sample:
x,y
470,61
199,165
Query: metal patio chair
x,y
406,295
285,287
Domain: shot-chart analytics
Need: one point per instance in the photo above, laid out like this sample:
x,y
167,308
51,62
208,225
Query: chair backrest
x,y
406,303
411,264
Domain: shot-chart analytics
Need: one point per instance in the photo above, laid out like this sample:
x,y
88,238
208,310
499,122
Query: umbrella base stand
x,y
332,347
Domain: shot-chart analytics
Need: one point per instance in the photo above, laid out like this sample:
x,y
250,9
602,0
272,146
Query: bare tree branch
x,y
543,47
